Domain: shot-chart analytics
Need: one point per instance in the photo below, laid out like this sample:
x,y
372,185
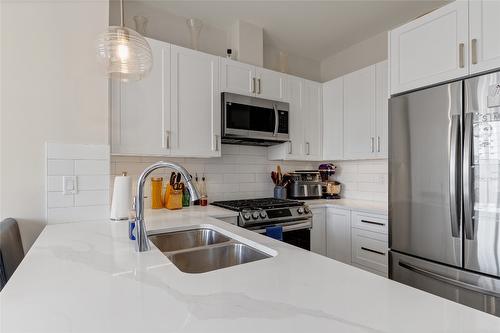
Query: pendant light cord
x,y
121,13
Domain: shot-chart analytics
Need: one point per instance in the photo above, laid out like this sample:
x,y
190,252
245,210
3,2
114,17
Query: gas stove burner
x,y
266,211
255,204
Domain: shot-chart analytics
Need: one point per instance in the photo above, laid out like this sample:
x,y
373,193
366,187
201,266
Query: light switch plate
x,y
70,185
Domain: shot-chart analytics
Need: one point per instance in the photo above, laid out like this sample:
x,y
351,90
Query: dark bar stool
x,y
11,249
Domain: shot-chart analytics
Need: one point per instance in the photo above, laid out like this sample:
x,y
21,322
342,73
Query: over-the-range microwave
x,y
250,120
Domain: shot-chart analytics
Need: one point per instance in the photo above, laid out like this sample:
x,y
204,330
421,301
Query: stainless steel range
x,y
294,217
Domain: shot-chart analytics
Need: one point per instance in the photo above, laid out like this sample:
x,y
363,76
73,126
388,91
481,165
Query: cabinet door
x,y
333,120
431,49
237,77
484,35
318,231
294,148
140,110
195,103
312,120
338,234
270,84
381,126
359,111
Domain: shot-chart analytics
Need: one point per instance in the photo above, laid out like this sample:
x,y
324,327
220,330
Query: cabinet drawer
x,y
370,222
369,249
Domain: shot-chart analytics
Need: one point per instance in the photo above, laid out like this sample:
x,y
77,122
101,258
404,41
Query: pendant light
x,y
124,53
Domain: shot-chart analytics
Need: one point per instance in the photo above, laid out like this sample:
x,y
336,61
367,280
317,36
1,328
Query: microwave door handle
x,y
276,120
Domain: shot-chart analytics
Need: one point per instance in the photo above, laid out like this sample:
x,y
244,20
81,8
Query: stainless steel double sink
x,y
203,250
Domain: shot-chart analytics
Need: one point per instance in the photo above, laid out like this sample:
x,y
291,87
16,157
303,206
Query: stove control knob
x,y
300,210
307,210
255,215
246,216
263,214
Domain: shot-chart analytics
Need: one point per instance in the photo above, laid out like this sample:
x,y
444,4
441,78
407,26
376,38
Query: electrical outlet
x,y
70,185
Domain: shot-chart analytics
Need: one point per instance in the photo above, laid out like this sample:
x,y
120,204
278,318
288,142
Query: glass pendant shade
x,y
124,54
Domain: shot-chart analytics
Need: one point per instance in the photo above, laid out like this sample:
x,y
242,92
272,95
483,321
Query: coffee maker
x,y
330,188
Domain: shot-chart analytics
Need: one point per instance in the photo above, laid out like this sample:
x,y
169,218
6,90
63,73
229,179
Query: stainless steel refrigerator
x,y
444,191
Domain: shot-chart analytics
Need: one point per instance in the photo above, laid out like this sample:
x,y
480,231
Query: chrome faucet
x,y
142,239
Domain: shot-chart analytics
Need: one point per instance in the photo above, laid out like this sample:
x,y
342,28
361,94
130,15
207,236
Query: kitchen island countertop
x,y
87,277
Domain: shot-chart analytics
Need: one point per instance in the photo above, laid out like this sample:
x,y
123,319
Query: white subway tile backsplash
x,y
87,183
60,167
91,198
59,200
244,172
92,167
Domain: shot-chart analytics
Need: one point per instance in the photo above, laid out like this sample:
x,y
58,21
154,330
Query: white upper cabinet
x,y
140,111
244,79
333,120
312,120
195,103
484,35
431,49
359,113
237,77
269,84
381,125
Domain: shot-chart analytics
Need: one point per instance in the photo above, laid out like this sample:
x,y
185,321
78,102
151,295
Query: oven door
x,y
297,233
254,118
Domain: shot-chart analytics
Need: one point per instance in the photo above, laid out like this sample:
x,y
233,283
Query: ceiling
x,y
311,29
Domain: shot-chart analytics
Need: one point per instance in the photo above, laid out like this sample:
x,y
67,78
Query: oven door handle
x,y
291,227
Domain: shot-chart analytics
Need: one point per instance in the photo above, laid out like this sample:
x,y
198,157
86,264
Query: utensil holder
x,y
175,199
280,192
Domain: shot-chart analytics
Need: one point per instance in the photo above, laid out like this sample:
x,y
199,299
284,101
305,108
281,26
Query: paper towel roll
x,y
122,199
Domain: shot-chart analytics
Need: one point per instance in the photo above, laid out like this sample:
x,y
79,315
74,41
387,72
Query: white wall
x,y
52,90
363,54
167,27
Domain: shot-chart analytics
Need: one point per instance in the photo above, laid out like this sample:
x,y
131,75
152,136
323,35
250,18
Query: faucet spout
x,y
142,239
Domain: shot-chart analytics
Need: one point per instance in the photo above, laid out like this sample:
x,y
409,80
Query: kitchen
x,y
329,106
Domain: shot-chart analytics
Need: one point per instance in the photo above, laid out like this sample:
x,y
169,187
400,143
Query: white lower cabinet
x,y
369,249
353,237
318,231
338,234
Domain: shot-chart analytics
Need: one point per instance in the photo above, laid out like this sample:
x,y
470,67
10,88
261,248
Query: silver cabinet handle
x,y
253,85
454,183
445,279
258,84
474,51
308,148
290,150
372,251
372,139
468,179
167,140
461,48
378,144
276,119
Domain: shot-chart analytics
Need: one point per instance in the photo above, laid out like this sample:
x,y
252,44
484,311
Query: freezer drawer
x,y
474,290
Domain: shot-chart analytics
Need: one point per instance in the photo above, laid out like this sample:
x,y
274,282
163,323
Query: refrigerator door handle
x,y
468,182
454,186
447,280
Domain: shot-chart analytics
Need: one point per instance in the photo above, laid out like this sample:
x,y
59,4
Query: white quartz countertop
x,y
374,207
86,277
